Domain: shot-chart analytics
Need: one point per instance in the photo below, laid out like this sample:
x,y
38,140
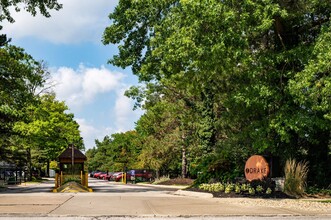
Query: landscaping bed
x,y
276,194
220,193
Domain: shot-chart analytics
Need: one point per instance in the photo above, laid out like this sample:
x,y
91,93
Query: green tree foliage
x,y
48,129
20,76
115,153
30,6
255,75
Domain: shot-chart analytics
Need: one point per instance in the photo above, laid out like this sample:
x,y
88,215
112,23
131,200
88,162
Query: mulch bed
x,y
178,181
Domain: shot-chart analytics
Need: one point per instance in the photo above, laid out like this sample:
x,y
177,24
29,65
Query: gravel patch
x,y
296,204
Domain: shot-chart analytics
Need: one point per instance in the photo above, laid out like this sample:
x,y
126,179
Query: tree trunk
x,y
184,162
28,151
47,169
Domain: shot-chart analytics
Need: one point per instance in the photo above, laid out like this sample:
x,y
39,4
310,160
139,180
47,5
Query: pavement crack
x,y
151,208
61,204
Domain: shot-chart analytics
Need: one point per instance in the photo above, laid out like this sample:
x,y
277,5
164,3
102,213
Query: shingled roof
x,y
68,152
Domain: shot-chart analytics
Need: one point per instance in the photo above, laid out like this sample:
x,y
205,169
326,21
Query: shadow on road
x,y
98,186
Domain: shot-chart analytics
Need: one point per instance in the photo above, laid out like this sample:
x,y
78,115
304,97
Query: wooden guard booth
x,y
71,163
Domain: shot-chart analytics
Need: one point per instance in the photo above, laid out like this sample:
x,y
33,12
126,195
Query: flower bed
x,y
253,190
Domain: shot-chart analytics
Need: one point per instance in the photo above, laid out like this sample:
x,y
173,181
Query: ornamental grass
x,y
295,177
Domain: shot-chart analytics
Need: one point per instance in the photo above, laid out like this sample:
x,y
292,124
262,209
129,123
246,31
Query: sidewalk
x,y
147,203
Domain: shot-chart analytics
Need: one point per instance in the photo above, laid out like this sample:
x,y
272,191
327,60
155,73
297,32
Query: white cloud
x,y
99,81
78,21
80,90
90,133
81,86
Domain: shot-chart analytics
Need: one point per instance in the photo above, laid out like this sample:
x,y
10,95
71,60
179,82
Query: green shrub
x,y
245,187
71,179
295,177
315,190
259,189
204,186
268,191
229,187
217,187
251,191
214,187
237,189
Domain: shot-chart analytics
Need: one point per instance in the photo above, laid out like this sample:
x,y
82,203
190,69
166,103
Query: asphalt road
x,y
117,201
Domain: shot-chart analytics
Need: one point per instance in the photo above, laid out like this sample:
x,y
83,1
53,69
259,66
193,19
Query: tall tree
x,y
48,129
20,75
238,59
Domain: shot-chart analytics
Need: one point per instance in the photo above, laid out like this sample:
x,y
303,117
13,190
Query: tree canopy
x,y
253,74
30,6
34,126
20,76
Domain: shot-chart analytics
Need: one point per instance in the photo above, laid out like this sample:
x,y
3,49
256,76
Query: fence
x,y
12,176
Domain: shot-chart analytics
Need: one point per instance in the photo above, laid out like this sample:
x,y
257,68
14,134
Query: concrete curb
x,y
162,186
193,194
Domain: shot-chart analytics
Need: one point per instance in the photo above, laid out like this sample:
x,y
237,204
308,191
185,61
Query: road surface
x,y
118,201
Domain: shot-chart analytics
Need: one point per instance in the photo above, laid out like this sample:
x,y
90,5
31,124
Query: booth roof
x,y
68,154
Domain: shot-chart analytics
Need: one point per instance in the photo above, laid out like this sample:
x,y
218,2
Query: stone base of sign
x,y
279,181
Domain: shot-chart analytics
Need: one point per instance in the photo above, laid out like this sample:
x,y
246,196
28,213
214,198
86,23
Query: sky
x,y
69,42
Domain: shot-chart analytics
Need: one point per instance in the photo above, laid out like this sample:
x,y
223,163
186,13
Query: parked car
x,y
116,176
92,173
109,176
112,176
136,175
97,174
103,175
144,175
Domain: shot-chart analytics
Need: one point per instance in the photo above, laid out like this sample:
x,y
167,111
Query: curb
x,y
193,194
162,186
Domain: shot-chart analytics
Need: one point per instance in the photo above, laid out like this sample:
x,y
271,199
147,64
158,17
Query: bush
x,y
237,189
268,191
265,183
259,189
70,178
251,191
313,190
295,177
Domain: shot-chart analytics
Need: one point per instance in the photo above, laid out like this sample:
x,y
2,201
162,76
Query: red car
x,y
137,175
102,176
117,176
96,175
109,176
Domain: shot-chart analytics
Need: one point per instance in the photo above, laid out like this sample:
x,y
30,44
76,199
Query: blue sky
x,y
70,44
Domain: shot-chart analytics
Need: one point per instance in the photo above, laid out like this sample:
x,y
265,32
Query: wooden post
x,y
61,179
82,181
86,179
56,180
